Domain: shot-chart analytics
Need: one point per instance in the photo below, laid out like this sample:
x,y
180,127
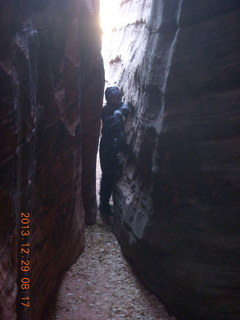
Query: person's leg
x,y
106,180
105,194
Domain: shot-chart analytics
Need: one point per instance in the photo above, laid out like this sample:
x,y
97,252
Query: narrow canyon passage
x,y
176,202
101,284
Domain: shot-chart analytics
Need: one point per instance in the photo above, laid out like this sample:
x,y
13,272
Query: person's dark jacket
x,y
113,135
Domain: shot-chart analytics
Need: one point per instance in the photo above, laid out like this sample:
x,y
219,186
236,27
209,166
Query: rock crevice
x,y
52,80
177,201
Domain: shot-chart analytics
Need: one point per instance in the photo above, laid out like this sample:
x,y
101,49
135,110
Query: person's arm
x,y
125,110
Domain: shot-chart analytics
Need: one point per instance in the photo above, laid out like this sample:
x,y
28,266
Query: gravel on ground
x,y
101,285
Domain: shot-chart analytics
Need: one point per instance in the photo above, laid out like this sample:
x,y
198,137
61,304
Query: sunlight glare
x,y
109,14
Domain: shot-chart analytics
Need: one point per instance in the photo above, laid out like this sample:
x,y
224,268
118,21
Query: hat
x,y
111,92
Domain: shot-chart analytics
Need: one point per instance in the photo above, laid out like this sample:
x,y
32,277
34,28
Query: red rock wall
x,y
51,77
177,202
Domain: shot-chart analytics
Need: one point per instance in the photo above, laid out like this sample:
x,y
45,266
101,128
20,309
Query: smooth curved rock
x,y
52,80
177,202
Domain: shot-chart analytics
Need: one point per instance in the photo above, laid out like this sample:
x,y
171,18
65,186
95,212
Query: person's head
x,y
113,96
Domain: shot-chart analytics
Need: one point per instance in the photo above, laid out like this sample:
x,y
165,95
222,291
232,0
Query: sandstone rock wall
x,y
177,202
52,81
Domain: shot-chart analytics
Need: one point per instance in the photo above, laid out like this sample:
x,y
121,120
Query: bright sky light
x,y
108,14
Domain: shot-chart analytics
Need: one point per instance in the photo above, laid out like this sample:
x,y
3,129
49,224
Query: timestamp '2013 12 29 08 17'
x,y
24,260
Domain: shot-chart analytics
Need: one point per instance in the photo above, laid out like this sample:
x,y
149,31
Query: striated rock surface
x,y
177,202
51,77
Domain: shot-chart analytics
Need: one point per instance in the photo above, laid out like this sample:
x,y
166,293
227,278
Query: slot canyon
x,y
176,203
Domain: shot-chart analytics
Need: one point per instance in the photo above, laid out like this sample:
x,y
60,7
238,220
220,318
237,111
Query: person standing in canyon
x,y
112,143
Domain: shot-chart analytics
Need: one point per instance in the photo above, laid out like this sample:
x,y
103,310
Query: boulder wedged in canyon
x,y
52,80
177,201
